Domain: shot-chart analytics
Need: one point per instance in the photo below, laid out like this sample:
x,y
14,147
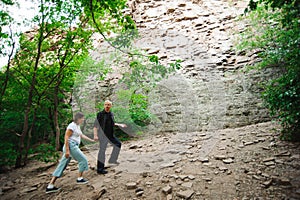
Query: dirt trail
x,y
242,163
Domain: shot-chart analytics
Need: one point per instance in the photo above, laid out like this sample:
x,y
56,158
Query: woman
x,y
71,149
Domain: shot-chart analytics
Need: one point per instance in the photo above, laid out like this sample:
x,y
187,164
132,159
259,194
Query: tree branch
x,y
105,38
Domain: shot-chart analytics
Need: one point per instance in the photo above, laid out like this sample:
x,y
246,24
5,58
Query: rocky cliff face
x,y
211,91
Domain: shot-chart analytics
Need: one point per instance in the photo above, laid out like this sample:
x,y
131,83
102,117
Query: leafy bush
x,y
138,109
46,153
274,31
132,109
8,154
283,99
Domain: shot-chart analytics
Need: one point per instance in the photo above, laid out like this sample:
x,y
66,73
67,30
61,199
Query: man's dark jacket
x,y
101,121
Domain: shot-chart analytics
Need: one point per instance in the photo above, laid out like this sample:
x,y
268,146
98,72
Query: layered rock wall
x,y
212,89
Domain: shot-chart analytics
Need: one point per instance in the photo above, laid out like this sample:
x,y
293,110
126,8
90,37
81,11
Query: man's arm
x,y
121,125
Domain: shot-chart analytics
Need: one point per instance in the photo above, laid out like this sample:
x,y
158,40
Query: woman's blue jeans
x,y
75,153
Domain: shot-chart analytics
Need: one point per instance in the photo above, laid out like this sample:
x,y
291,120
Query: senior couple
x,y
103,132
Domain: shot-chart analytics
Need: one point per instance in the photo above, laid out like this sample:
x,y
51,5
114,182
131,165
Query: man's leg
x,y
101,154
116,149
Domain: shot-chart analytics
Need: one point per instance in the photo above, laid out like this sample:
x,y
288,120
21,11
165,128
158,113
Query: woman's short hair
x,y
78,116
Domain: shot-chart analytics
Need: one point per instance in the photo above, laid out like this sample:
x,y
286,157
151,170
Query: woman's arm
x,y
68,134
96,134
86,138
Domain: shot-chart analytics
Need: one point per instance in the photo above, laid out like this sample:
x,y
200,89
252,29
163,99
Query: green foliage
x,y
108,17
46,153
142,77
8,154
138,109
91,67
7,44
290,8
132,108
283,99
145,73
44,69
274,31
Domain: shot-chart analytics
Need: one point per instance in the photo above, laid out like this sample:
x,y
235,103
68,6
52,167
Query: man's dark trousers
x,y
104,140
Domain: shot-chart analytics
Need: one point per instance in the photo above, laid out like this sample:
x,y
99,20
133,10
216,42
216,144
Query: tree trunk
x,y
23,135
51,119
29,137
30,98
56,124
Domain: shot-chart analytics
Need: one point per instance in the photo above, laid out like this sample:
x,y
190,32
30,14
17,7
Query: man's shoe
x,y
82,181
50,190
102,171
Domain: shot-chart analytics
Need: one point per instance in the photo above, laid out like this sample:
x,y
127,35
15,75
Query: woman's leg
x,y
82,163
63,163
51,188
58,172
77,154
54,178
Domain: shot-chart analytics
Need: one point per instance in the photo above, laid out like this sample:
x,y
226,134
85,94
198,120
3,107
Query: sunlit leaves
x,y
146,73
5,20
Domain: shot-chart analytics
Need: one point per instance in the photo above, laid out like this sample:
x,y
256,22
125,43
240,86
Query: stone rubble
x,y
185,194
131,185
214,179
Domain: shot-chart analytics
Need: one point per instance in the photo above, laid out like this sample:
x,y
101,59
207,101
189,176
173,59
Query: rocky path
x,y
242,163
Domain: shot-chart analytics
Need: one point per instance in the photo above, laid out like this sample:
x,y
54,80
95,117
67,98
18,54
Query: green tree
x,y
274,30
143,75
44,68
7,43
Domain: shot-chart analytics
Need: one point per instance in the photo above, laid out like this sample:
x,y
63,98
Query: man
x,y
103,131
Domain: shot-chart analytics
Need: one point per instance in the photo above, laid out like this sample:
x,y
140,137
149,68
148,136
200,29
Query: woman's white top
x,y
76,132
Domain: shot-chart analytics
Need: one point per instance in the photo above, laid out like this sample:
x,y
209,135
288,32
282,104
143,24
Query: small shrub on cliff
x,y
138,109
132,109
